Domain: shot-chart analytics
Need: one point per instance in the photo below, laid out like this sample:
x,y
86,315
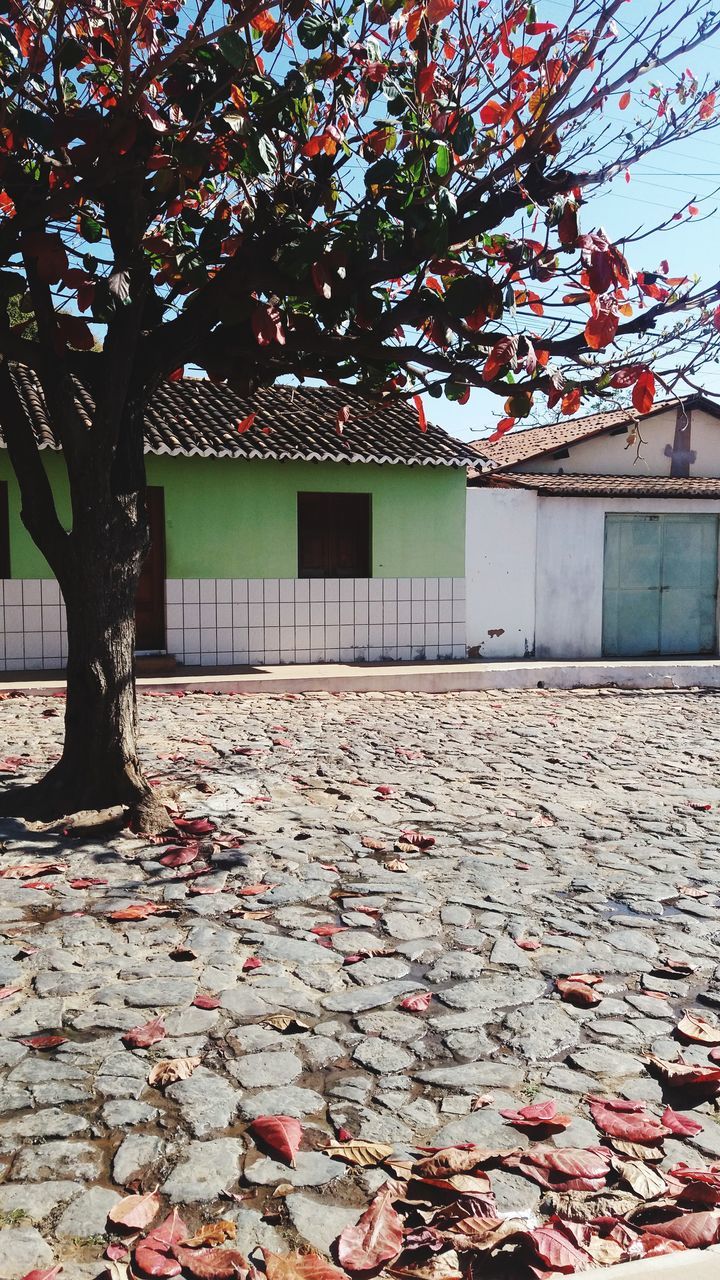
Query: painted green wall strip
x,y
228,518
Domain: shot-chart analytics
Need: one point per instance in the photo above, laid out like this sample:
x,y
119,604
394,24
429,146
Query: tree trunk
x,y
99,767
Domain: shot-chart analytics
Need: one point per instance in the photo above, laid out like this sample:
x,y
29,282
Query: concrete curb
x,y
694,1264
425,677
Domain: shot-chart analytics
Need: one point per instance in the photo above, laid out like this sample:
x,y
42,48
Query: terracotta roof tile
x,y
195,417
520,446
579,486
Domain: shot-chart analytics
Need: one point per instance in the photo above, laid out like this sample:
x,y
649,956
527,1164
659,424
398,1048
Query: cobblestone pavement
x,y
583,822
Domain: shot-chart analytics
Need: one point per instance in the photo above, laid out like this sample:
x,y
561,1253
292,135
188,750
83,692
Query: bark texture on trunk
x,y
98,564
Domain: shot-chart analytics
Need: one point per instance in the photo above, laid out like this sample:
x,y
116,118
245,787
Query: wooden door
x,y
150,599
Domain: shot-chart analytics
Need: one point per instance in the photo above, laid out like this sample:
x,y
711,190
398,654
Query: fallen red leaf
x,y
43,1042
252,962
418,838
26,870
575,991
196,826
281,1134
682,1126
693,1230
539,1115
148,1033
682,1074
206,1002
173,1230
180,855
6,992
135,1211
417,1003
556,1248
300,1266
85,882
153,1263
376,1238
137,911
635,1126
212,1264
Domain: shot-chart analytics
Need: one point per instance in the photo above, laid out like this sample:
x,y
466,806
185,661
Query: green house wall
x,y
233,518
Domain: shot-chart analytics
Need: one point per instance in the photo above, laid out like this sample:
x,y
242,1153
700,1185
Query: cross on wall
x,y
679,452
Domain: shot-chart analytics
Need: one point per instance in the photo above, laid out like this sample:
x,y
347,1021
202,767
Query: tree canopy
x,y
396,195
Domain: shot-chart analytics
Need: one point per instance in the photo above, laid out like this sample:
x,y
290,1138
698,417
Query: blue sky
x,y
659,185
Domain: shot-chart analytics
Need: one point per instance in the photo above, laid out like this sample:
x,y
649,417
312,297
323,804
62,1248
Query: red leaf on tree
x,y
281,1134
75,331
47,249
601,328
682,1126
143,1036
422,420
417,1003
503,354
504,425
524,55
624,102
644,391
492,113
426,80
267,325
43,1042
376,1238
246,423
438,10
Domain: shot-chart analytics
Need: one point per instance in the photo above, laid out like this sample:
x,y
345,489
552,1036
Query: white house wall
x,y
500,572
608,454
569,567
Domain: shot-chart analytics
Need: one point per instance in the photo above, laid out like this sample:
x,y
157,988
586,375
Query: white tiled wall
x,y
33,633
223,621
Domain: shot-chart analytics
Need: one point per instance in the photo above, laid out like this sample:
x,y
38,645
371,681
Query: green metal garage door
x,y
660,585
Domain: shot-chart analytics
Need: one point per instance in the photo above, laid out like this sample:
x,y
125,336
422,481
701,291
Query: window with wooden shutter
x,y
334,535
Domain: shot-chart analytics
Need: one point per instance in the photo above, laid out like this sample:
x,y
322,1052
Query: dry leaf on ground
x,y
169,1070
